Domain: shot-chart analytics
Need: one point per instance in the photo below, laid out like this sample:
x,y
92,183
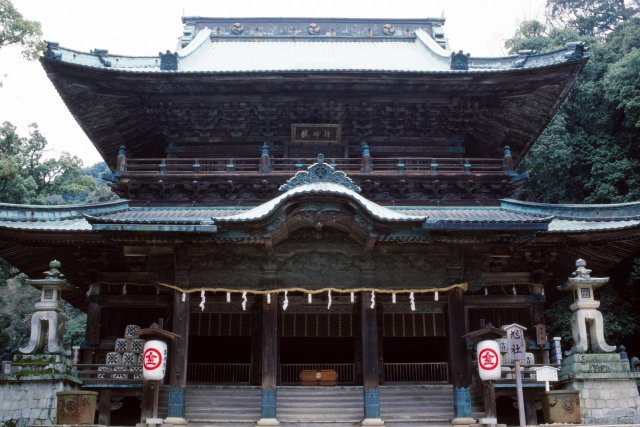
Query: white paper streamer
x,y
124,289
514,290
412,300
285,304
309,298
184,297
90,291
244,301
268,298
486,292
436,297
329,299
393,297
373,299
202,300
228,296
353,297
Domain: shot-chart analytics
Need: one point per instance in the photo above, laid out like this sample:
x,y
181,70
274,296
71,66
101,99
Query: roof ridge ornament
x,y
320,172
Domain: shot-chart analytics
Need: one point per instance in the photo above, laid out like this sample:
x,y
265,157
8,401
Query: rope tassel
x,y
202,300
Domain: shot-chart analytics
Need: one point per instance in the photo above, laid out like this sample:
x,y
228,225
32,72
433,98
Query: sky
x,y
146,27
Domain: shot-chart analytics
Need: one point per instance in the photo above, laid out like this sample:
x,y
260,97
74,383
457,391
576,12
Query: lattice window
x,y
220,324
316,325
414,325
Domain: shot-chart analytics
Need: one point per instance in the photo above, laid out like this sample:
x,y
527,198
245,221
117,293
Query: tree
x,y
26,177
15,30
591,17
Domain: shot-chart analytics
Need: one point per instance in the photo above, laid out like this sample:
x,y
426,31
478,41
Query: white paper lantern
x,y
154,360
488,360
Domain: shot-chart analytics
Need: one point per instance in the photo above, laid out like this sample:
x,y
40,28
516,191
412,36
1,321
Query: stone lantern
x,y
48,317
585,311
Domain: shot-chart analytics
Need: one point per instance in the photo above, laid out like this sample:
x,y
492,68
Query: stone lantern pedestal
x,y
608,391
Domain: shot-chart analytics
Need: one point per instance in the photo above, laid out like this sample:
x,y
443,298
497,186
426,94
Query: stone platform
x,y
608,391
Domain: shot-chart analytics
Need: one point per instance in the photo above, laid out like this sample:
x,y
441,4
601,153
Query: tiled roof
x,y
417,52
328,188
511,215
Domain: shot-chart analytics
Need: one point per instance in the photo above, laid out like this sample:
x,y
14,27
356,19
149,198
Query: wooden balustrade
x,y
416,372
290,372
109,374
219,373
250,166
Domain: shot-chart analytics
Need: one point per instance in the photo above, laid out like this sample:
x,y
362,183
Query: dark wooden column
x,y
460,372
269,361
178,359
92,336
104,407
179,346
370,372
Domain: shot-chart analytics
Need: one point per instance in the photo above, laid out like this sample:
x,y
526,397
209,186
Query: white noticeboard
x,y
546,373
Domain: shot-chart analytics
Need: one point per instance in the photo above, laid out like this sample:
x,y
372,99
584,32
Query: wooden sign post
x,y
516,347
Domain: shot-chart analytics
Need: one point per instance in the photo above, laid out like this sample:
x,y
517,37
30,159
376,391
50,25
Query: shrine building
x,y
319,210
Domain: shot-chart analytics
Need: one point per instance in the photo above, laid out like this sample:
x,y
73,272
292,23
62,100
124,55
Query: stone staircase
x,y
416,405
335,406
239,406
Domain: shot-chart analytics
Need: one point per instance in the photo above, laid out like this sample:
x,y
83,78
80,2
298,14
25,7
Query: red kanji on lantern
x,y
152,359
488,359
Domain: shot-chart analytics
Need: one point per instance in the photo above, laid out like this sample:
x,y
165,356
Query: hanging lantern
x,y
154,360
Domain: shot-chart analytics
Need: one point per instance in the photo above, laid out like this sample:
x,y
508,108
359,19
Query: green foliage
x,y
26,177
590,152
15,30
591,17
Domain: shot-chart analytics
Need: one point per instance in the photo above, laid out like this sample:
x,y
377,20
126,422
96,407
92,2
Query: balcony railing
x,y
288,166
290,372
416,372
219,373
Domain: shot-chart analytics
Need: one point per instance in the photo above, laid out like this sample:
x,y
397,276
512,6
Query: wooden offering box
x,y
325,377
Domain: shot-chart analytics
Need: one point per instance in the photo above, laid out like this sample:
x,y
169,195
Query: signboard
x,y
515,342
154,360
316,134
489,366
546,374
541,334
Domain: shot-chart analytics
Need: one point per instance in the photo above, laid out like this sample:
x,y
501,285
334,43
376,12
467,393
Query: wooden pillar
x,y
370,371
460,372
104,407
178,360
489,392
92,335
269,362
530,406
256,344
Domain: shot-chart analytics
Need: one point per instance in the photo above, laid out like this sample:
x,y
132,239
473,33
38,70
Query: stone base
x,y
268,422
177,421
372,422
463,421
608,392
